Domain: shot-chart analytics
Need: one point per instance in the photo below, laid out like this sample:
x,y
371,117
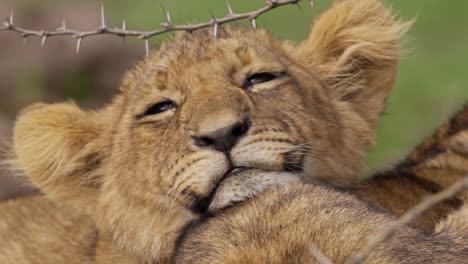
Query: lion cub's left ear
x,y
59,148
355,46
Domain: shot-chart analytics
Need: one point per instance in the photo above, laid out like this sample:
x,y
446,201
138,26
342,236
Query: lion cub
x,y
260,230
199,107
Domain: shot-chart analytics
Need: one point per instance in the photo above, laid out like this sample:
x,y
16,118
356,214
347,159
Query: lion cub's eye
x,y
261,77
160,108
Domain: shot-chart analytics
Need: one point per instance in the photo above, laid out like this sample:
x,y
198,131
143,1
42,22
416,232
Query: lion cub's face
x,y
200,106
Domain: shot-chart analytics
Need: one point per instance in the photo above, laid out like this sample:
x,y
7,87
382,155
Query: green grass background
x,y
433,81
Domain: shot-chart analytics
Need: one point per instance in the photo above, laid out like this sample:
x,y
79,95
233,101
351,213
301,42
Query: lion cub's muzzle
x,y
201,204
227,133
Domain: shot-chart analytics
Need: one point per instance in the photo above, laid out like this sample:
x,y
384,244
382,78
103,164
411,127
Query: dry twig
x,y
167,26
409,217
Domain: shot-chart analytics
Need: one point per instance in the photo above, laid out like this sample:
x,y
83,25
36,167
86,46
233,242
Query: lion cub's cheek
x,y
197,179
262,154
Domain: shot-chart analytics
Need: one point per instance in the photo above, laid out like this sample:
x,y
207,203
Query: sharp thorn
x,y
215,29
168,18
11,18
167,15
124,27
78,45
147,47
25,40
103,16
215,24
229,7
44,38
63,27
253,21
312,3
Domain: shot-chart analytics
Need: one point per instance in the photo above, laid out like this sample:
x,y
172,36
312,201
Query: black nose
x,y
225,138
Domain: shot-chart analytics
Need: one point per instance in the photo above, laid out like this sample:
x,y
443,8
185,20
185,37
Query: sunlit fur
x,y
139,177
280,225
438,162
286,222
36,230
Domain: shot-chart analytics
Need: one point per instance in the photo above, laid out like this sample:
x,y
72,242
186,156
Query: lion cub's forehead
x,y
195,57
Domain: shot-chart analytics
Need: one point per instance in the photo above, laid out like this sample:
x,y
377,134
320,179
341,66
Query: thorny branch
x,y
167,26
409,217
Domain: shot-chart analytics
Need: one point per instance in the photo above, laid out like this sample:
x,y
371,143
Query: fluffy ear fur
x,y
355,45
58,148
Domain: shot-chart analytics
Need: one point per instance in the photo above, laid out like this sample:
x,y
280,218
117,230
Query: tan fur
x,y
279,222
37,230
435,164
281,225
140,178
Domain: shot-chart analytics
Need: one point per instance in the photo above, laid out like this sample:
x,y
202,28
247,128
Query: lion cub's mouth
x,y
293,163
201,205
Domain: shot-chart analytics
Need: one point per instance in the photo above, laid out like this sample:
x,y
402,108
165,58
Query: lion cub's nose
x,y
225,138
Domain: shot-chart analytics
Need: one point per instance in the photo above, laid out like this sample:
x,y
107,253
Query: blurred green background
x,y
433,80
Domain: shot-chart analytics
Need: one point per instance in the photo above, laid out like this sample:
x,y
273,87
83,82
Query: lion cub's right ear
x,y
355,45
58,147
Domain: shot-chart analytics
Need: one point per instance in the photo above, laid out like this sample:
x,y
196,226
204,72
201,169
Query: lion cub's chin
x,y
248,183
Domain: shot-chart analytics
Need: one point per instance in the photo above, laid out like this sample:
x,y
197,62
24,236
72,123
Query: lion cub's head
x,y
199,107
